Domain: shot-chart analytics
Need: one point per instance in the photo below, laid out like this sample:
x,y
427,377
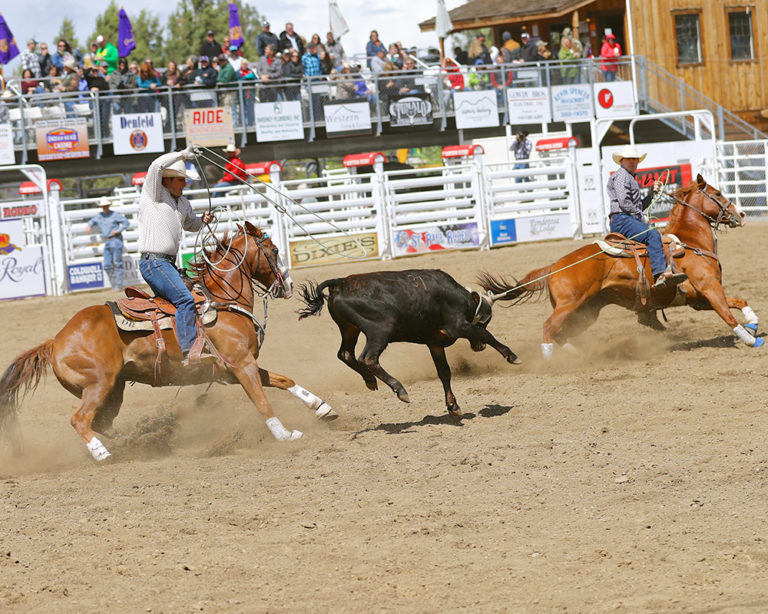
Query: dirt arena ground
x,y
632,478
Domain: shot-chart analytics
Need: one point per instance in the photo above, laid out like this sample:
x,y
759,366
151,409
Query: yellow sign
x,y
209,127
307,252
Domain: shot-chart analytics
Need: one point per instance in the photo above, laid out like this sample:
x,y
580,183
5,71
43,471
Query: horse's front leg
x,y
249,376
752,321
322,410
715,295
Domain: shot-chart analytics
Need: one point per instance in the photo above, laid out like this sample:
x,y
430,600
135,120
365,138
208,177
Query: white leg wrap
x,y
571,349
97,449
750,316
280,432
546,350
309,399
742,334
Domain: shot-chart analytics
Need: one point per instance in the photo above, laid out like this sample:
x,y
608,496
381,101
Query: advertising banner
x,y
535,228
7,155
25,208
571,103
307,252
85,276
278,121
346,118
476,109
62,139
528,105
436,238
137,133
615,99
22,268
410,110
210,127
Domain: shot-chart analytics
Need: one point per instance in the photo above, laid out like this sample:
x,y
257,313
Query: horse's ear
x,y
700,181
251,229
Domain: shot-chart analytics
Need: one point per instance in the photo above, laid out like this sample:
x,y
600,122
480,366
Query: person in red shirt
x,y
234,169
609,54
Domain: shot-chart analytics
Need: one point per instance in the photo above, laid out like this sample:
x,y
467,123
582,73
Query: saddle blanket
x,y
123,323
675,245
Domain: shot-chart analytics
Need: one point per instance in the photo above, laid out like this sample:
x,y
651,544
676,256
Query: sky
x,y
395,20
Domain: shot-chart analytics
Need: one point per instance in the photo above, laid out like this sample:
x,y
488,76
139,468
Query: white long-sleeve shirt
x,y
162,217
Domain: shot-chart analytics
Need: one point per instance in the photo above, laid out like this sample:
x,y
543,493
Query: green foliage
x,y
148,34
106,25
66,31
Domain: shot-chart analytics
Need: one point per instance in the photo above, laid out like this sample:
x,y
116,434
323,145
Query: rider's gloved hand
x,y
191,152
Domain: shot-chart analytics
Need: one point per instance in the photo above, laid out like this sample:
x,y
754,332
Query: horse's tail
x,y
312,295
22,376
501,288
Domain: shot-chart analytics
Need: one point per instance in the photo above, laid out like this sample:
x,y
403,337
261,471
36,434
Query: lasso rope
x,y
281,209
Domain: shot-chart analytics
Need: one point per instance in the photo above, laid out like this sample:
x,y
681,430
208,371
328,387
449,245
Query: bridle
x,y
279,283
723,217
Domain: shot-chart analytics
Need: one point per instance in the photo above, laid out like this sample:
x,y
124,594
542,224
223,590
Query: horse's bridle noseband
x,y
724,217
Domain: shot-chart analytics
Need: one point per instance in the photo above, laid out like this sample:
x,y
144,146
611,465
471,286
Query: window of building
x,y
740,31
688,38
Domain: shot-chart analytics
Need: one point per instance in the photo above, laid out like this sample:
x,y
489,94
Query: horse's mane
x,y
687,189
200,265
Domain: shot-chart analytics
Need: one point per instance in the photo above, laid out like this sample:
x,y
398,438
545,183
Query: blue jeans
x,y
629,227
165,281
113,262
518,166
610,75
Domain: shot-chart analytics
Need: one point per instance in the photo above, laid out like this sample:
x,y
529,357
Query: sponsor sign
x,y
27,208
278,121
615,99
476,109
345,117
536,228
571,103
307,252
436,238
7,155
209,127
137,133
86,276
22,268
62,139
528,105
410,110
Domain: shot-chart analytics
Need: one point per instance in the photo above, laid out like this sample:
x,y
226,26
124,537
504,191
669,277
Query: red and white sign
x,y
556,144
461,151
210,127
615,99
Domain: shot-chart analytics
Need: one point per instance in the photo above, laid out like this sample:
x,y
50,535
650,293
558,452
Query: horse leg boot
x,y
322,410
444,373
92,400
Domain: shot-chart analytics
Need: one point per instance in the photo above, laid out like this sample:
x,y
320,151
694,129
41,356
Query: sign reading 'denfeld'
x,y
436,238
278,121
137,133
347,117
210,127
571,103
22,268
62,139
476,109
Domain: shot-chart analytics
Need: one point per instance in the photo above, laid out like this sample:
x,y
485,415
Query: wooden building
x,y
718,47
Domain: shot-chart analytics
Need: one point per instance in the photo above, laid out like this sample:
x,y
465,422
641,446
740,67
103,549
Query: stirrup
x,y
204,359
667,280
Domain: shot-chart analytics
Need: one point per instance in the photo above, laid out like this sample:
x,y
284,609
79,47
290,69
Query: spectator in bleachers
x,y
187,69
29,59
108,52
210,48
313,68
478,51
373,46
293,72
345,84
269,69
247,75
289,39
569,70
97,82
528,51
266,37
378,61
316,39
233,170
64,49
204,75
325,60
501,77
173,79
227,76
53,84
120,81
478,76
70,79
45,59
509,47
407,83
335,50
609,54
29,85
234,58
148,82
89,57
452,75
460,55
395,55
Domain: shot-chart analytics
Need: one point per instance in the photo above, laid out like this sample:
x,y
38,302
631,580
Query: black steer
x,y
418,306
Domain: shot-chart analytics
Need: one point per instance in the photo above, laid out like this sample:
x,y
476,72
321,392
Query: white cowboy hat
x,y
105,202
628,152
178,169
230,148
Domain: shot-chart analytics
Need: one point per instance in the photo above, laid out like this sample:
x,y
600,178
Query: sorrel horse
x,y
584,281
93,359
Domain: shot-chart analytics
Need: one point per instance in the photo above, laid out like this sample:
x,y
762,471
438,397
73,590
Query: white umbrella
x,y
338,24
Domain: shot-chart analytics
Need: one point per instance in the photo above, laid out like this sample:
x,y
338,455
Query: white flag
x,y
338,24
443,25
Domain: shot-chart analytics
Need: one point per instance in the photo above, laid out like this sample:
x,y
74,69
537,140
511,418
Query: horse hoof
x,y
759,342
514,360
325,412
752,328
403,396
295,435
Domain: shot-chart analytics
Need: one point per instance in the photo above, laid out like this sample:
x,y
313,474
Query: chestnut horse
x,y
93,359
584,281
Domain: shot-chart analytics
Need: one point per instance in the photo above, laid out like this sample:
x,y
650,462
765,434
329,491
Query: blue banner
x,y
85,276
503,231
8,48
125,42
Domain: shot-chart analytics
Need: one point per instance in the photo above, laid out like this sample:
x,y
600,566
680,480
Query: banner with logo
x,y
410,110
137,133
535,228
436,238
476,109
22,268
209,127
86,276
306,252
7,156
615,99
24,208
62,139
278,121
347,117
571,103
528,105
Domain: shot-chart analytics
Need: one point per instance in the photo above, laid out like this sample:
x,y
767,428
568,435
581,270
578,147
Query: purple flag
x,y
8,48
125,42
235,31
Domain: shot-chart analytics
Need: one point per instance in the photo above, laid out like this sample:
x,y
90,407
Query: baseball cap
x,y
204,58
32,40
209,33
265,24
233,47
525,35
610,35
99,39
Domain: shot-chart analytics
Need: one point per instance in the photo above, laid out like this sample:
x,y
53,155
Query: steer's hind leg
x,y
370,357
444,373
349,335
